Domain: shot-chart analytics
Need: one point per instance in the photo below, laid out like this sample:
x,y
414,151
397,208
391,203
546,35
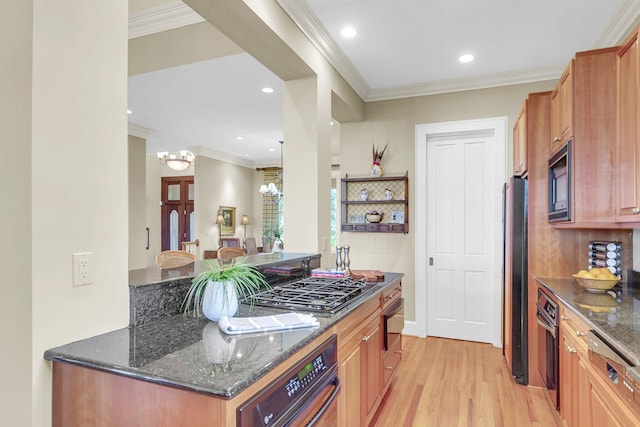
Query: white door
x,y
463,233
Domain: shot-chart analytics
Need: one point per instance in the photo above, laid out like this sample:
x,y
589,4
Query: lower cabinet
x,y
586,400
360,358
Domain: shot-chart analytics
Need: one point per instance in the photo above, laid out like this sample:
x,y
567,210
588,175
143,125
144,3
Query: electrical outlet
x,y
82,269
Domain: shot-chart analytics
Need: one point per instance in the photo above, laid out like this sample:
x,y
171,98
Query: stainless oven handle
x,y
325,405
546,327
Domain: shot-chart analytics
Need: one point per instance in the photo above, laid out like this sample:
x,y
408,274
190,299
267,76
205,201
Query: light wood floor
x,y
442,382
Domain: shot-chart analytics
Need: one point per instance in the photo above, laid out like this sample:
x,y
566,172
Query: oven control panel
x,y
286,396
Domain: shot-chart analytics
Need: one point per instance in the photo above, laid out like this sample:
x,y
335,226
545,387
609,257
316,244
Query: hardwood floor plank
x,y
443,383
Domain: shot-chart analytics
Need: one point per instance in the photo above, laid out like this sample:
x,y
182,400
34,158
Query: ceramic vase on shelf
x,y
219,299
277,245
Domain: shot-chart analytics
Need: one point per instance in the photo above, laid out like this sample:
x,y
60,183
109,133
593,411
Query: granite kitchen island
x,y
188,359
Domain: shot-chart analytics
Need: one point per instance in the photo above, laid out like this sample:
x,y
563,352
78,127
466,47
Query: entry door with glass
x,y
177,211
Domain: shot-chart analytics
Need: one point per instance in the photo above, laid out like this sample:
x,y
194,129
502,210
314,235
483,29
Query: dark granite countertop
x,y
193,354
616,319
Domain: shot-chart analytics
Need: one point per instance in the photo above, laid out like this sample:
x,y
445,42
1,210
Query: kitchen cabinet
x,y
585,113
360,358
392,355
604,408
387,195
532,120
573,375
627,163
520,143
585,397
562,109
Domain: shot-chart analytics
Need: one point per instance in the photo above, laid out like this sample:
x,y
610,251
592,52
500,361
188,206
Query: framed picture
x,y
228,227
397,217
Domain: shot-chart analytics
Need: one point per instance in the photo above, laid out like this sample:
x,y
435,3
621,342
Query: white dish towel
x,y
245,325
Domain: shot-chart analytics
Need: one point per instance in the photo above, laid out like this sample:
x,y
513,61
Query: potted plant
x,y
218,289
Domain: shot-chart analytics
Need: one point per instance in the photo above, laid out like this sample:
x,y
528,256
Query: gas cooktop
x,y
320,295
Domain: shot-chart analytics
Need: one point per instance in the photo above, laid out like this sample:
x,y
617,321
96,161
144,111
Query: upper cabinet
x,y
585,111
562,109
628,152
531,128
520,143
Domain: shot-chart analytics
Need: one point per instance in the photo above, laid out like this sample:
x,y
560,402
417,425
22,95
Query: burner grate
x,y
317,294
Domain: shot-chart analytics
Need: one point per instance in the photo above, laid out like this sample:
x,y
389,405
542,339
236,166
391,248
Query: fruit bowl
x,y
596,285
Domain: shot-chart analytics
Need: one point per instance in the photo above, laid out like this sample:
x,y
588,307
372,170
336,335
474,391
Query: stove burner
x,y
316,294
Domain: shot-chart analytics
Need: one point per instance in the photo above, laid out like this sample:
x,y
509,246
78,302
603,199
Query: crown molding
x,y
459,85
623,21
139,131
162,18
305,19
223,157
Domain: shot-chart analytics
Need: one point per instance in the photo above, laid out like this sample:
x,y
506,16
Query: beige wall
x,y
219,183
137,204
393,122
15,221
79,179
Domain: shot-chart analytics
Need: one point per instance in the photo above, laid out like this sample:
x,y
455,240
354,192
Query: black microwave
x,y
560,184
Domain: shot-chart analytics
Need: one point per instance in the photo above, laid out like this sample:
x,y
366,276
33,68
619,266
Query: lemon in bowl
x,y
597,280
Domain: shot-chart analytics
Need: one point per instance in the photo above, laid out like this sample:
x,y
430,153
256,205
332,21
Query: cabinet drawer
x,y
576,326
391,293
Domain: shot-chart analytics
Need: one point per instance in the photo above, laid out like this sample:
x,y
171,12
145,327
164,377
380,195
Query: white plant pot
x,y
219,299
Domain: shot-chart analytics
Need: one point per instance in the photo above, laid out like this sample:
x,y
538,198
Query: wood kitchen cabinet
x,y
360,356
520,142
586,400
603,407
627,163
562,109
533,117
573,376
583,110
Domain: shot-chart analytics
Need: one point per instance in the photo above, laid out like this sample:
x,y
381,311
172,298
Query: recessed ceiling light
x,y
331,123
348,32
239,138
272,149
129,112
465,58
267,89
247,155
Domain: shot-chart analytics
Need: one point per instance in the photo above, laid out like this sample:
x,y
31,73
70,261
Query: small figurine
x,y
388,194
364,194
376,168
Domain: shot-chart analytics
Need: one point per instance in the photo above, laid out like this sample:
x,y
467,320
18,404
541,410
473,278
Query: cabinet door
x,y
371,365
349,373
520,143
604,407
628,160
569,378
556,111
566,103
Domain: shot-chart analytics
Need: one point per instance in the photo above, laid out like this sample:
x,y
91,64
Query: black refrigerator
x,y
515,291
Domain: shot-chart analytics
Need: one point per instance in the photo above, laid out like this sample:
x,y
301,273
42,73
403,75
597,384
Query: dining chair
x,y
250,245
233,242
173,259
229,252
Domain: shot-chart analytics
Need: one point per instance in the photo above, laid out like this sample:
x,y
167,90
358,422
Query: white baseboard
x,y
411,328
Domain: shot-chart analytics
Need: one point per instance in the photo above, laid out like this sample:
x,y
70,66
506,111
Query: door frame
x,y
497,125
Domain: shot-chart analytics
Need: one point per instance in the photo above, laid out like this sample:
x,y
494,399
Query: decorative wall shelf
x,y
394,207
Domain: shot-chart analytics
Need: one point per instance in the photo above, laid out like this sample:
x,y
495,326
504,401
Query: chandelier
x,y
271,189
176,160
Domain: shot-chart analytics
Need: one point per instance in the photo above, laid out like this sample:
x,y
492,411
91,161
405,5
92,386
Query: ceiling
x,y
403,48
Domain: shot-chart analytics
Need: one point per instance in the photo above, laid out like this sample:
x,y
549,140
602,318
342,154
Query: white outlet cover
x,y
82,268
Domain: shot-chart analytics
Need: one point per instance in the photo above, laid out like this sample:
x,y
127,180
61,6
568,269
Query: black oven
x,y
560,184
304,395
548,343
